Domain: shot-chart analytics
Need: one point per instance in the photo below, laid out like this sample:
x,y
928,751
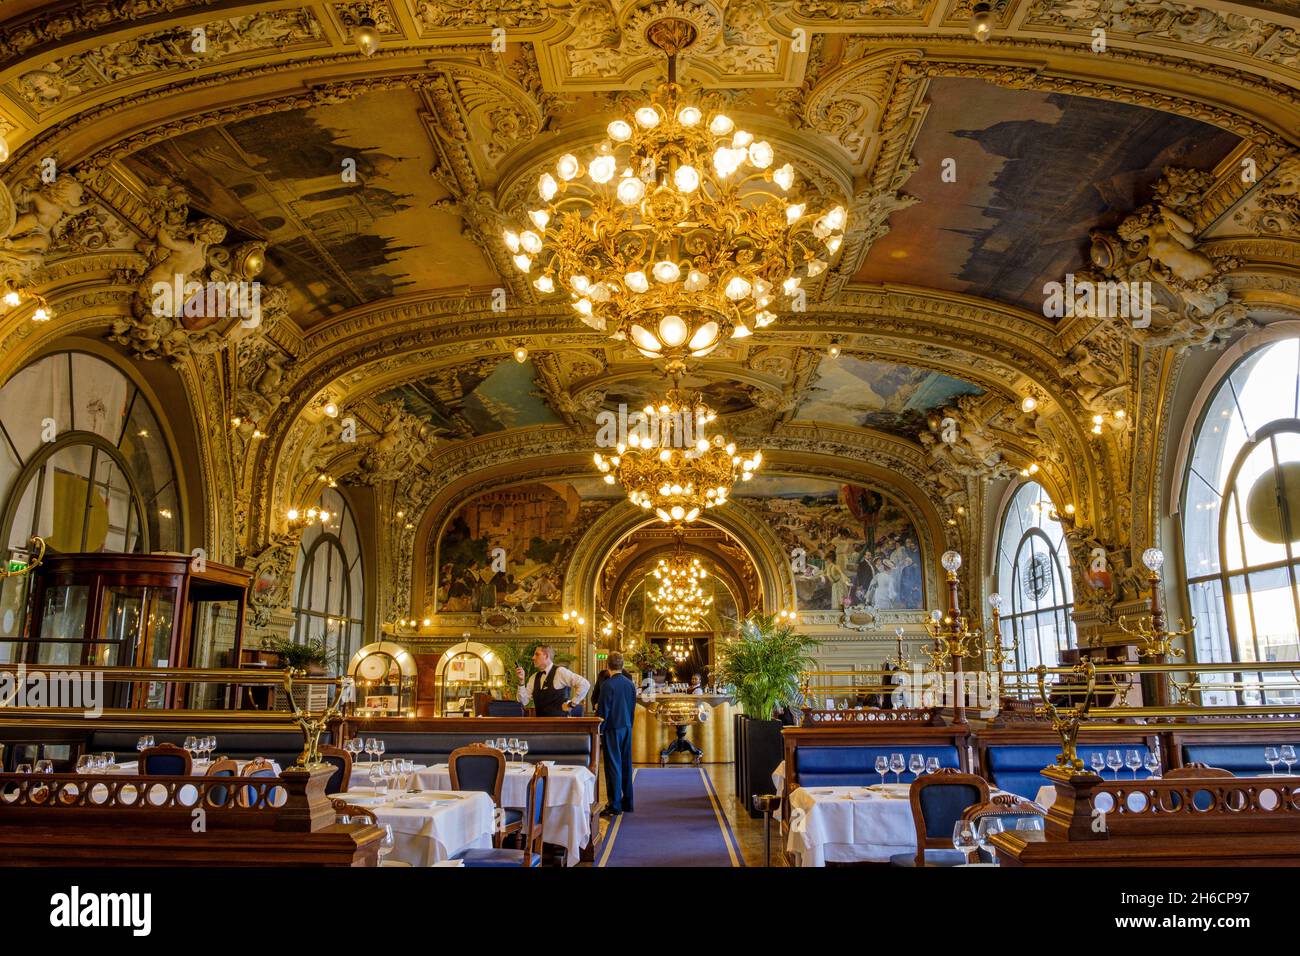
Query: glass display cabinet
x,y
137,610
385,675
465,670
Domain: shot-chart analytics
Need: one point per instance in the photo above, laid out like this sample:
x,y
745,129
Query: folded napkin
x,y
418,803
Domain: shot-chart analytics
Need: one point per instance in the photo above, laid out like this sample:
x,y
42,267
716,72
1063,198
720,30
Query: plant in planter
x,y
312,655
650,658
761,665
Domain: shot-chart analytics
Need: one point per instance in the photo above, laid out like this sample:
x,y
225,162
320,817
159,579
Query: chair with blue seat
x,y
531,854
1201,799
1006,807
855,765
505,708
165,760
482,768
258,767
1018,768
218,795
938,800
341,761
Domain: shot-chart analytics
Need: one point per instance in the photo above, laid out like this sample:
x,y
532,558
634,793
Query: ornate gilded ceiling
x,y
191,135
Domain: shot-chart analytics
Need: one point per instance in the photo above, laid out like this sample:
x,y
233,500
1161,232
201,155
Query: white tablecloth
x,y
423,836
570,792
849,825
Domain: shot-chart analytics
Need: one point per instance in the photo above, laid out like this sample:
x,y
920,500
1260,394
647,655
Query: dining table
x,y
429,826
570,793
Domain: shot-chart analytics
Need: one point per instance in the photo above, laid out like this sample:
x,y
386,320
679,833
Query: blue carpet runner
x,y
678,821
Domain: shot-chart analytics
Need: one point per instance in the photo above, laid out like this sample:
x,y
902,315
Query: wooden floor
x,y
748,832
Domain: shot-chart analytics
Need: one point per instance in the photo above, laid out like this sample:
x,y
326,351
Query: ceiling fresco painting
x,y
477,399
883,395
335,243
1034,173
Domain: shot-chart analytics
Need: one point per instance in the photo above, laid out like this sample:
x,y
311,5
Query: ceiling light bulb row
x,y
298,517
676,233
12,297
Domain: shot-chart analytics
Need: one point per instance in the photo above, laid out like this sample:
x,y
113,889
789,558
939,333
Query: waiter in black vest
x,y
554,690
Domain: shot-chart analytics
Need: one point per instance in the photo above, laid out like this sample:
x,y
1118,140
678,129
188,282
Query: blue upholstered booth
x,y
1018,768
1241,759
855,766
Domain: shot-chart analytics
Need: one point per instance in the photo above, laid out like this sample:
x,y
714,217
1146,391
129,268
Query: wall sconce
x,y
1030,470
301,519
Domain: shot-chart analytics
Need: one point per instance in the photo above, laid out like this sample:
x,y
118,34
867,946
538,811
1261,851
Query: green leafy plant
x,y
763,663
313,652
651,658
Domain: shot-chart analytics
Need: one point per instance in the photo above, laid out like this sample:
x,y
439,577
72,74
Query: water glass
x,y
882,767
987,828
86,763
1098,763
1271,757
896,766
1287,753
931,764
101,763
523,749
24,768
386,844
1152,763
45,766
1133,760
916,764
1114,761
110,759
964,837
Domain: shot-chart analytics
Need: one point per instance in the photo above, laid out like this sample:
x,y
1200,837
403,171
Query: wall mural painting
x,y
484,396
883,395
848,545
509,548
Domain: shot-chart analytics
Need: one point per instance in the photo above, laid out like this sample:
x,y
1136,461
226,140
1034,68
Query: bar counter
x,y
714,736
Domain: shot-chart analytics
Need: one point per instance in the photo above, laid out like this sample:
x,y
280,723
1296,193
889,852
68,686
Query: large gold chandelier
x,y
670,466
680,598
679,230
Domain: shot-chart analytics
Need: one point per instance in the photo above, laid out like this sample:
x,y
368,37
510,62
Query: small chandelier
x,y
679,230
670,466
680,598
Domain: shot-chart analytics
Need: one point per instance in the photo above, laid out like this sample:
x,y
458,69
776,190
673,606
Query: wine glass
x,y
501,744
45,766
523,748
379,748
916,764
376,777
987,828
1098,763
1271,757
86,763
1287,753
191,744
408,772
23,768
370,749
1114,761
897,766
1133,760
931,764
212,745
141,745
1030,822
882,767
513,745
101,763
963,837
386,844
1152,763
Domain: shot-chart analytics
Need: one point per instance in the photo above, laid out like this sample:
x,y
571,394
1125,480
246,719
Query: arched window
x,y
1241,520
329,594
82,460
1033,578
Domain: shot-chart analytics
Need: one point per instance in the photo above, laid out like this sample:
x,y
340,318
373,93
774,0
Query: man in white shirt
x,y
554,690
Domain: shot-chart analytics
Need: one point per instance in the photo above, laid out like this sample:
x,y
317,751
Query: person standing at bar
x,y
554,690
616,708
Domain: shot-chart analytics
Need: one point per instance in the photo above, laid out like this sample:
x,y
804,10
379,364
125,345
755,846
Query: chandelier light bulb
x,y
836,218
995,600
721,125
521,355
790,284
631,190
1028,404
544,284
686,179
4,148
784,177
602,169
637,281
695,281
620,131
815,268
761,154
547,187
567,167
741,140
512,240
689,116
1153,558
951,561
742,332
531,242
833,244
647,117
981,22
737,288
331,410
580,284
540,218
523,263
793,213
673,330
583,306
667,271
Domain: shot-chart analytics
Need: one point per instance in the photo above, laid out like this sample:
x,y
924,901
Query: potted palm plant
x,y
761,666
313,657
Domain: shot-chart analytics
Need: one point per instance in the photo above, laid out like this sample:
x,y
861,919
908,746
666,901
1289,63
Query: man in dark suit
x,y
616,707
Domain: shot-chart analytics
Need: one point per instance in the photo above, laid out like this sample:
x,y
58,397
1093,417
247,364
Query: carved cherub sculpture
x,y
1169,242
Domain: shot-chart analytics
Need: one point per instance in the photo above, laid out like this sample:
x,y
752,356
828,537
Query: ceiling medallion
x,y
671,466
679,230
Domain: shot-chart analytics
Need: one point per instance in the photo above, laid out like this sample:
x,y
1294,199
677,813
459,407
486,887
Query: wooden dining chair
x,y
1197,770
257,767
341,779
482,768
938,800
165,760
353,814
219,796
1007,807
531,853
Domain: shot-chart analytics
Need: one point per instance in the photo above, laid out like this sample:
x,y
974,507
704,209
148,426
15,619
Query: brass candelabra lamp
x,y
954,641
1155,640
900,660
313,725
996,653
1066,719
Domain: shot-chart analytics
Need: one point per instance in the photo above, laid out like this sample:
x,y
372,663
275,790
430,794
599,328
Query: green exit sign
x,y
602,656
16,565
